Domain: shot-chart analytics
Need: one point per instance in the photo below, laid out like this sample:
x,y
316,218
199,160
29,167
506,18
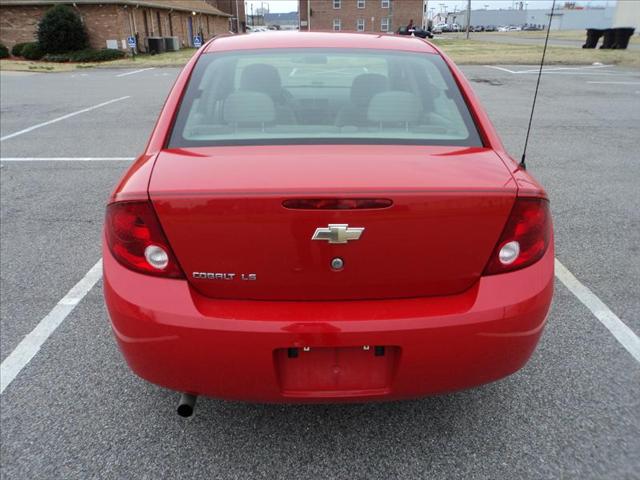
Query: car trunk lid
x,y
241,220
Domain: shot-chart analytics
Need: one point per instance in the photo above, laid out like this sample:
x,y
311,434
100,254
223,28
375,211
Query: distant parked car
x,y
441,28
417,31
257,28
490,28
455,27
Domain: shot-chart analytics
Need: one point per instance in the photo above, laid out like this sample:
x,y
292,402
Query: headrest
x,y
260,77
428,93
365,86
249,107
394,106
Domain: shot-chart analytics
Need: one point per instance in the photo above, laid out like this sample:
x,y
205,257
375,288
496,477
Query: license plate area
x,y
336,371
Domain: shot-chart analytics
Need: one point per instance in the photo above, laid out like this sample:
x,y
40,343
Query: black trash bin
x,y
609,39
156,45
622,37
593,35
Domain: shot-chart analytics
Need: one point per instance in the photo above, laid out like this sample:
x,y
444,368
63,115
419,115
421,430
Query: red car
x,y
324,217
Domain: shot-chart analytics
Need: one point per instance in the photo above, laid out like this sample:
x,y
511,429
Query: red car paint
x,y
407,316
232,179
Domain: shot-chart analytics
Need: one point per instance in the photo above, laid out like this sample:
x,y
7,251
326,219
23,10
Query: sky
x,y
283,6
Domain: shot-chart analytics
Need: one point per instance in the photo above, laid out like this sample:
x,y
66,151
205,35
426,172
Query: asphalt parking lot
x,y
76,411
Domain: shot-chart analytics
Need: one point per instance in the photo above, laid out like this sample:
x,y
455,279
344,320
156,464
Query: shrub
x,y
61,30
88,55
4,51
16,51
32,51
57,57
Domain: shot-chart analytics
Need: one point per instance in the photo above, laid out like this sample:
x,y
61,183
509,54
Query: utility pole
x,y
468,17
425,15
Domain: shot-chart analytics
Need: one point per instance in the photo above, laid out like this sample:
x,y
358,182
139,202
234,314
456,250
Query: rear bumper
x,y
172,336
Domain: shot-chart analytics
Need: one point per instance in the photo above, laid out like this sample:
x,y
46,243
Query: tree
x,y
61,30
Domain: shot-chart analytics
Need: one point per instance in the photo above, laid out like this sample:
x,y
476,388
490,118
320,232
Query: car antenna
x,y
523,163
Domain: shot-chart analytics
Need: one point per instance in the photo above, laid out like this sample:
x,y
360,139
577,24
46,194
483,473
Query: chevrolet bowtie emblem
x,y
337,233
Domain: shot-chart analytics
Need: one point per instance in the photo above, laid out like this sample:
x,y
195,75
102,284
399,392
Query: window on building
x,y
337,3
360,4
384,24
384,3
337,24
360,25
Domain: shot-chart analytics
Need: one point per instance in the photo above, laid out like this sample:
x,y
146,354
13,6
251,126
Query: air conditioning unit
x,y
172,44
155,45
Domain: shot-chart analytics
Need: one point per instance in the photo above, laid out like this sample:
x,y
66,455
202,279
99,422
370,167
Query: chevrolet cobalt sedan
x,y
325,217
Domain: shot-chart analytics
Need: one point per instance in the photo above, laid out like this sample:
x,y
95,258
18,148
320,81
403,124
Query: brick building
x,y
235,8
359,15
110,22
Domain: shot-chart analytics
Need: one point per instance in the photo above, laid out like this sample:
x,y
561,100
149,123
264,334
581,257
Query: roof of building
x,y
198,6
296,39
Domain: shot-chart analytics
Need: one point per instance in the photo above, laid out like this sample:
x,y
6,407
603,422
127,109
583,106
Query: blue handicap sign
x,y
131,41
197,41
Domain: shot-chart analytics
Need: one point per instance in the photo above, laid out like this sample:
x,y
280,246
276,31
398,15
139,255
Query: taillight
x,y
525,237
136,240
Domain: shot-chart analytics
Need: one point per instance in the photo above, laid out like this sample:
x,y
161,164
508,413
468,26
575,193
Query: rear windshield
x,y
316,96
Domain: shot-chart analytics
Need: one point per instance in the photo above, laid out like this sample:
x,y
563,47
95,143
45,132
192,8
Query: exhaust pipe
x,y
186,404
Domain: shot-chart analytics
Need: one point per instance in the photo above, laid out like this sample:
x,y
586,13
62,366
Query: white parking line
x,y
555,69
66,159
134,72
597,74
500,68
64,117
559,70
610,320
31,344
